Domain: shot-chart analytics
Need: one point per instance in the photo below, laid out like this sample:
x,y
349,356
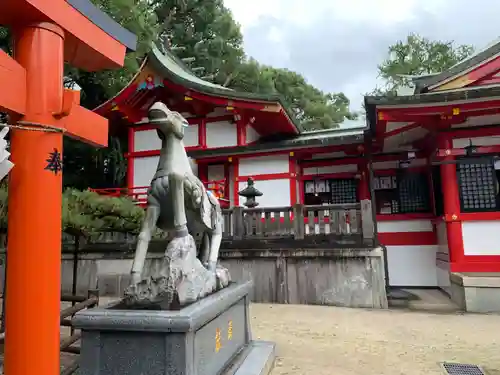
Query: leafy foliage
x,y
137,17
313,108
85,213
203,29
419,56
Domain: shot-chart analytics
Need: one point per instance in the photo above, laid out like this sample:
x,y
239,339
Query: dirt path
x,y
328,340
323,340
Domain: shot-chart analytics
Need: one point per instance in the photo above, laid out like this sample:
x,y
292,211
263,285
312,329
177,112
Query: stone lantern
x,y
250,192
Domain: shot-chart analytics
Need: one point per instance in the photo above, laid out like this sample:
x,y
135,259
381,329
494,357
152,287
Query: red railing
x,y
140,193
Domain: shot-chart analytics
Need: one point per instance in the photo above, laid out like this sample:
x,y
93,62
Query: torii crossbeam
x,y
46,33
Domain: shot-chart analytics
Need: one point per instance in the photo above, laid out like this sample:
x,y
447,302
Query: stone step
x,y
256,359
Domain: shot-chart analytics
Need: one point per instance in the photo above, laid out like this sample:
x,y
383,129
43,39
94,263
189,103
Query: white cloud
x,y
305,12
337,44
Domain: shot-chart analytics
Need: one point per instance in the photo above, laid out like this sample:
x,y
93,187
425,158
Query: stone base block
x,y
476,292
209,337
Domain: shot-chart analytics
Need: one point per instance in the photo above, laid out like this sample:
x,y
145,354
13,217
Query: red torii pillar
x,y
46,33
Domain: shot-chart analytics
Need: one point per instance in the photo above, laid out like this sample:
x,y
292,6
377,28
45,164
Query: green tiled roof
x,y
172,68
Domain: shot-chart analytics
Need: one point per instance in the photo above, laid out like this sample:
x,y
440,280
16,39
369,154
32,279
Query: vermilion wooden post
x,y
34,220
46,33
451,204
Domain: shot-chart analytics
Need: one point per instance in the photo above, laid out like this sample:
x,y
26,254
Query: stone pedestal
x,y
208,337
476,292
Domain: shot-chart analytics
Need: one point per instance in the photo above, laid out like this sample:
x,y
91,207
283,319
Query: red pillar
x,y
202,133
35,191
451,204
364,185
292,164
130,159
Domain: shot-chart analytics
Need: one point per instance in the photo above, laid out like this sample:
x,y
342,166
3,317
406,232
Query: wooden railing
x,y
354,221
298,221
140,193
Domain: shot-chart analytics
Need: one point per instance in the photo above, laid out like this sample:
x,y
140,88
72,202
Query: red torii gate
x,y
46,33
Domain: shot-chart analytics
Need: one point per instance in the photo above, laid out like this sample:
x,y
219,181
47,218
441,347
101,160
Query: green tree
x,y
418,55
313,108
205,30
137,17
86,166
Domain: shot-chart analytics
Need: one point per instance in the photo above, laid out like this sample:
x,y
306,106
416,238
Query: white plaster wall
x,y
481,237
271,164
231,185
146,140
404,226
221,134
330,169
275,193
410,265
144,170
191,136
478,141
215,172
443,258
252,134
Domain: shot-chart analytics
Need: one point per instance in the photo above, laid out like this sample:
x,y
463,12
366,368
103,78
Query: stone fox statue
x,y
178,203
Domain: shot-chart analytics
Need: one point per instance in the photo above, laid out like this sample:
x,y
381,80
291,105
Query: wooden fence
x,y
298,221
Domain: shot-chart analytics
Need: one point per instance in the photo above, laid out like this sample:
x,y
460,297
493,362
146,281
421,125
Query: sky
x,y
337,44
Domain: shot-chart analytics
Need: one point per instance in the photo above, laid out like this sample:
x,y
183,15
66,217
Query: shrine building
x,y
427,161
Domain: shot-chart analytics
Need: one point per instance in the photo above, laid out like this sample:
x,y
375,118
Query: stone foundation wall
x,y
340,277
476,292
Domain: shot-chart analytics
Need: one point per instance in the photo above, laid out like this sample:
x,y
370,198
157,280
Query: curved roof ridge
x,y
478,57
110,100
176,66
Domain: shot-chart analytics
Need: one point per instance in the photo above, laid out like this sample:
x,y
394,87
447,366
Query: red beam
x,y
461,152
148,153
217,100
265,176
485,266
486,131
493,80
13,79
403,129
329,162
447,109
86,126
484,70
191,120
407,238
309,177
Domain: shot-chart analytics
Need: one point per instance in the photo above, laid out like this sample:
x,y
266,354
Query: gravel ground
x,y
324,340
330,340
